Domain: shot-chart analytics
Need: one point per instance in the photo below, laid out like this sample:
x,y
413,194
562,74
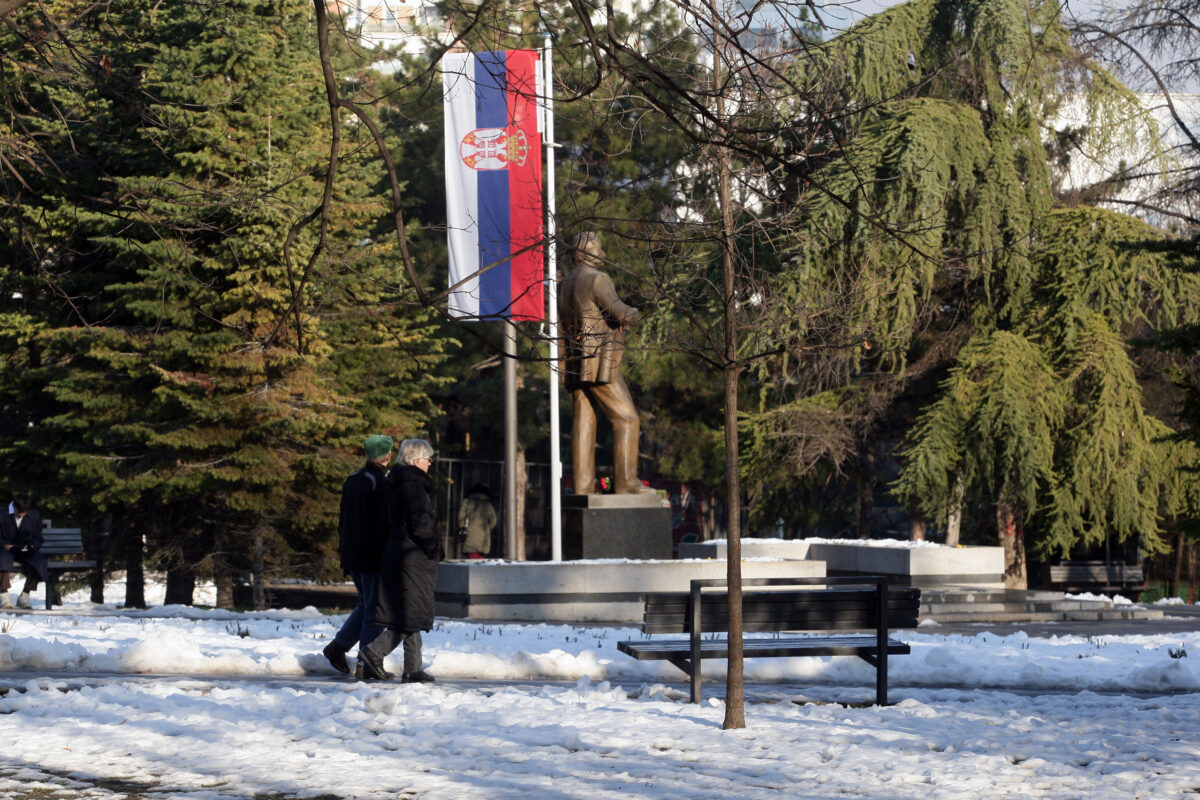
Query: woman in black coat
x,y
409,569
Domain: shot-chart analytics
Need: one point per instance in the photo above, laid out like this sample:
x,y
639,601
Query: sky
x,y
183,702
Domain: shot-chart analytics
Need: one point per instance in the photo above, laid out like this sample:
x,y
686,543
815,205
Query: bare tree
x,y
1152,45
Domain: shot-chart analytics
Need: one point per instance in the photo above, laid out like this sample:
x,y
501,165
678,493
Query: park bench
x,y
840,604
62,542
1097,576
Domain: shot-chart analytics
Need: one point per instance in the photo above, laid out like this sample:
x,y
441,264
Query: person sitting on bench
x,y
20,544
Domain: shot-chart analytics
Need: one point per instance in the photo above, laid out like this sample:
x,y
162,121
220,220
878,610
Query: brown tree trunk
x,y
224,584
258,568
866,492
1011,534
101,541
1180,554
735,695
916,528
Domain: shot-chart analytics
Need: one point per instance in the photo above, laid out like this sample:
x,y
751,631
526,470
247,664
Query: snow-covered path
x,y
184,738
526,712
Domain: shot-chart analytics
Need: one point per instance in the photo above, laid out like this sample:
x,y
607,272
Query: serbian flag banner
x,y
494,211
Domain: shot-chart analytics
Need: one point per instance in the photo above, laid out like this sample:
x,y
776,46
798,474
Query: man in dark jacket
x,y
409,568
20,544
362,531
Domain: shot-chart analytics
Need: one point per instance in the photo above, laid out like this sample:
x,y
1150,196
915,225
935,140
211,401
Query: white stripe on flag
x,y
462,191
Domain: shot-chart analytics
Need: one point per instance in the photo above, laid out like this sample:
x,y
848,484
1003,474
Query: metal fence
x,y
695,512
455,476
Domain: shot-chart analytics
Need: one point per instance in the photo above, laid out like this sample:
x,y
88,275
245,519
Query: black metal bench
x,y
62,542
1097,576
833,604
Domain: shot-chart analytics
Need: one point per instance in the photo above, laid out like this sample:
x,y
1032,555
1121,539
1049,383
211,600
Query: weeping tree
x,y
929,205
1152,46
1046,423
919,197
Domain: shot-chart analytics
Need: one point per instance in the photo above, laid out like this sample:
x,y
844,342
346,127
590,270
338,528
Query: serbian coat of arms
x,y
494,148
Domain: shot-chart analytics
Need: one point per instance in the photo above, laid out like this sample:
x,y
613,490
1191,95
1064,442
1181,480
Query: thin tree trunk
x,y
954,518
224,583
101,540
222,570
1180,554
259,587
916,528
735,697
866,492
1011,534
135,575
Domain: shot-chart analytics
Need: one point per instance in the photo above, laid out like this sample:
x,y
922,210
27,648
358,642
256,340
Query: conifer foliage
x,y
931,209
193,340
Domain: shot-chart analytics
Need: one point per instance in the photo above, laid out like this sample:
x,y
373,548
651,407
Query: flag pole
x,y
512,549
551,261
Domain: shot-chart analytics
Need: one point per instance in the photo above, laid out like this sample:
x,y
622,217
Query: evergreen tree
x,y
227,371
1152,46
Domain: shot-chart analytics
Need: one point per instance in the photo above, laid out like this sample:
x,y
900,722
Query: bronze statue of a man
x,y
594,322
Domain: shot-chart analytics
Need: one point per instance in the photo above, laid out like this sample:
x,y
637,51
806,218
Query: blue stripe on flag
x,y
491,111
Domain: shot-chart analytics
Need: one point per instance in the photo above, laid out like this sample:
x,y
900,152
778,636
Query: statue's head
x,y
586,249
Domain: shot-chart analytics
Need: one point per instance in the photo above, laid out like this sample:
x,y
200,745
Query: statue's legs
x,y
583,442
614,400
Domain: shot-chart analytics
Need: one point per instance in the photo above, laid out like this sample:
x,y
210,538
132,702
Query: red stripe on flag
x,y
525,189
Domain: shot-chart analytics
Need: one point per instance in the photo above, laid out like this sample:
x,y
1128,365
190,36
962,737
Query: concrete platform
x,y
923,564
581,591
1013,605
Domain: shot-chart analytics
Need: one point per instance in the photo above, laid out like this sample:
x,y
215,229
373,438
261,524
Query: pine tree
x,y
239,344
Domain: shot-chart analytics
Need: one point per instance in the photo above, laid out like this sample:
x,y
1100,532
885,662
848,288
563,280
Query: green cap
x,y
378,446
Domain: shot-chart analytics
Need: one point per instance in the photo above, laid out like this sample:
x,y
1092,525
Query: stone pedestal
x,y
634,526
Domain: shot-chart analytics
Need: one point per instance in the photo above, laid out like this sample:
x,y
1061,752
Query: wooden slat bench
x,y
62,542
841,604
1090,576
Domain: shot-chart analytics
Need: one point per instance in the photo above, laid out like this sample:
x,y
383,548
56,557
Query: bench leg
x,y
881,679
51,579
692,671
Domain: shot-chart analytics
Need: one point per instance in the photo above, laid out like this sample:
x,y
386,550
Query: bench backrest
x,y
1095,572
822,608
62,541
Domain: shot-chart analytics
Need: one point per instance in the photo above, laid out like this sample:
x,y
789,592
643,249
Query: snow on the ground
x,y
528,711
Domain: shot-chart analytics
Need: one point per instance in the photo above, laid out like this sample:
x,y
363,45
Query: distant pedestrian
x,y
409,570
20,545
362,532
476,518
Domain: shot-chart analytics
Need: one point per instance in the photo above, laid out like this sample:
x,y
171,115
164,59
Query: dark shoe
x,y
360,673
420,676
369,669
336,654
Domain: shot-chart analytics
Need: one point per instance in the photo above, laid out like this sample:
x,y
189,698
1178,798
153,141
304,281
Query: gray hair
x,y
412,449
